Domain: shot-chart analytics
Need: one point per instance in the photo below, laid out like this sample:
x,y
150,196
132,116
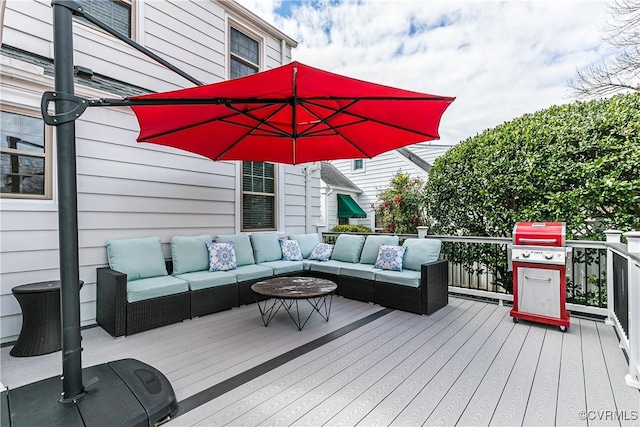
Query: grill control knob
x,y
548,255
525,254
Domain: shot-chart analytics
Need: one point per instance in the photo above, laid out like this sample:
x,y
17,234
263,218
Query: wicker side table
x,y
41,328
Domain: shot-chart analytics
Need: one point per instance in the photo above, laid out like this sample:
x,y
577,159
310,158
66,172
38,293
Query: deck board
x,y
467,364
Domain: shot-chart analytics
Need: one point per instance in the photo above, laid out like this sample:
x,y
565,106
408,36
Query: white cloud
x,y
500,59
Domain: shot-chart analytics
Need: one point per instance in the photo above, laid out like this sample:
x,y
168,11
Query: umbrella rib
x,y
322,120
364,118
263,121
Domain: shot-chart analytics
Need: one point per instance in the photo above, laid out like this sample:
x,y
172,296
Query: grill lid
x,y
539,234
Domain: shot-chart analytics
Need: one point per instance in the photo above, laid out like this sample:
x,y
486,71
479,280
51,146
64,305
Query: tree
x,y
622,71
401,206
576,163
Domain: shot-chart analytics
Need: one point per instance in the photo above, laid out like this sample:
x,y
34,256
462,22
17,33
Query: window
x,y
358,165
258,178
243,55
25,153
258,196
115,13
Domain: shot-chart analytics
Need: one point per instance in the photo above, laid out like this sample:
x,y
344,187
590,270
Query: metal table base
x,y
269,308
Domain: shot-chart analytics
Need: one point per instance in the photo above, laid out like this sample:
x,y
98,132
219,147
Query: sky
x,y
500,59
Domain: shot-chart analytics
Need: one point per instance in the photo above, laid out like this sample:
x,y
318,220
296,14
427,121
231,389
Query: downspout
x,y
308,171
283,50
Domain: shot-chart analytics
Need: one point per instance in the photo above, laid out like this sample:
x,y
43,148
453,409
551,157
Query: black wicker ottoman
x,y
41,328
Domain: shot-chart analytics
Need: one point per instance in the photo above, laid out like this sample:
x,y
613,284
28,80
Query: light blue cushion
x,y
372,245
348,248
290,250
154,287
244,251
284,267
222,256
361,271
252,272
307,242
322,252
138,258
204,279
189,253
266,247
390,257
332,267
420,251
405,278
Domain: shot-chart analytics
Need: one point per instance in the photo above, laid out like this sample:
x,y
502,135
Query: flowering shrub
x,y
402,206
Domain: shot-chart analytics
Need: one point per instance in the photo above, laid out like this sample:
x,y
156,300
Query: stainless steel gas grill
x,y
539,257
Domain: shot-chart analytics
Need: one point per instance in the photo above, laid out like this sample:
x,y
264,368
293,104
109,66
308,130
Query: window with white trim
x,y
118,14
25,155
258,178
258,196
358,165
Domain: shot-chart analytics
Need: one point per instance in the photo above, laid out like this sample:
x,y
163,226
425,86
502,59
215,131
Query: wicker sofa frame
x,y
119,317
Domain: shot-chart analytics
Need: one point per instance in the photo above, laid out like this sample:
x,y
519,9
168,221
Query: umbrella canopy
x,y
290,114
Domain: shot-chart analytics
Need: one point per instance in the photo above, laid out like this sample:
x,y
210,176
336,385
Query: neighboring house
x,y
338,198
374,175
127,189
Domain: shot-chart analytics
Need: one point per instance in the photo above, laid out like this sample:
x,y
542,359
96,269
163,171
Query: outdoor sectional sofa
x,y
140,290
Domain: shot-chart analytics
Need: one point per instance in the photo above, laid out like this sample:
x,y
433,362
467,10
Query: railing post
x,y
422,231
633,247
613,236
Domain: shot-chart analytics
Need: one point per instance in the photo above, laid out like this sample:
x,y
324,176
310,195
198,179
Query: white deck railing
x,y
623,305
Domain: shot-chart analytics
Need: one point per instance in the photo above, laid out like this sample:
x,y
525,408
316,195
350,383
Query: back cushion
x,y
307,242
189,253
244,252
138,258
420,251
266,247
372,245
348,248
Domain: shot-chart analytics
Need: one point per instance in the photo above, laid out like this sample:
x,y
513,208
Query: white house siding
x,y
378,172
127,189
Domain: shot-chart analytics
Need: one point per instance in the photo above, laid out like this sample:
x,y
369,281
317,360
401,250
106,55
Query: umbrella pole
x,y
72,388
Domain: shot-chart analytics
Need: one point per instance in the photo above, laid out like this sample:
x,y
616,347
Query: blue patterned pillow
x,y
290,250
222,256
390,257
321,252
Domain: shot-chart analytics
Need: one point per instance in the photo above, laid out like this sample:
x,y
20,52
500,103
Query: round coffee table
x,y
287,291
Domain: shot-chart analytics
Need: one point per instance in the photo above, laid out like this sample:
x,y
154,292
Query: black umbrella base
x,y
128,393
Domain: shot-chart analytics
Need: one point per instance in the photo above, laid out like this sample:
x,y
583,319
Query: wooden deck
x,y
467,364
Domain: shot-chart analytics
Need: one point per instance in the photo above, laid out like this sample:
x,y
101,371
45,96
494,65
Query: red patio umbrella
x,y
291,114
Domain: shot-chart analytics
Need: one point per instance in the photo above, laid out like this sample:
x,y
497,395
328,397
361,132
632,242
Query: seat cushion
x,y
372,245
348,248
204,279
244,251
154,287
361,271
138,258
405,278
252,272
420,251
189,253
332,267
266,247
307,242
284,267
